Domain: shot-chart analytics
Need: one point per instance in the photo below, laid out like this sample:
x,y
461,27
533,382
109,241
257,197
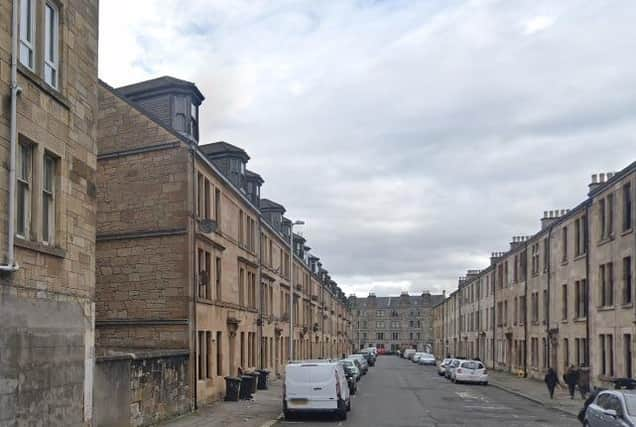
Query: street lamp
x,y
291,287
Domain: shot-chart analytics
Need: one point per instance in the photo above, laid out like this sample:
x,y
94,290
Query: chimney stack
x,y
494,257
549,217
596,182
517,241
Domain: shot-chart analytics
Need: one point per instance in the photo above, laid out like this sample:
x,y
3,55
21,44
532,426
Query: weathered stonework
x,y
542,303
47,306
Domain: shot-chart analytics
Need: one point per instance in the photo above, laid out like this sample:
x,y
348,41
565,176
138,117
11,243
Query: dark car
x,y
369,357
351,379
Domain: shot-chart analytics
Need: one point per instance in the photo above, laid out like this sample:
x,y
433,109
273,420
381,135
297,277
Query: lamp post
x,y
291,287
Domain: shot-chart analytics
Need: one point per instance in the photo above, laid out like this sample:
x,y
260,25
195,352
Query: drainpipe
x,y
547,314
586,239
11,264
525,312
193,222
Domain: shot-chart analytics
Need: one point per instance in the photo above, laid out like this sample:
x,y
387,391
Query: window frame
x,y
25,182
49,215
28,44
51,44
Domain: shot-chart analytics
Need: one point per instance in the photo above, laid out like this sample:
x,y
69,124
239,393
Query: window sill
x,y
564,320
40,247
626,232
580,319
605,240
37,81
627,305
579,256
564,262
606,308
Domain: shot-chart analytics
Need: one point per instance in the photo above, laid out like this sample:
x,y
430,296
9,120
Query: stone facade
x,y
188,255
47,305
563,296
394,323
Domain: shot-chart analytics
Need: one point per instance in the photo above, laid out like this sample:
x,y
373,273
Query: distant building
x,y
393,323
563,296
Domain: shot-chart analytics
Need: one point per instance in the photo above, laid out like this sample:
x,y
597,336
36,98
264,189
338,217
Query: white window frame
x,y
48,215
24,178
27,38
51,44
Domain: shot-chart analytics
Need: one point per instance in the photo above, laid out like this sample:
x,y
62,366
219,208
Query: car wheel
x,y
349,405
287,415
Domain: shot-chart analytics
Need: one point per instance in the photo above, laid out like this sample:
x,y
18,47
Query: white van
x,y
316,386
409,353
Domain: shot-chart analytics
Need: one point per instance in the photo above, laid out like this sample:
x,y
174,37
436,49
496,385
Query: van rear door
x,y
311,382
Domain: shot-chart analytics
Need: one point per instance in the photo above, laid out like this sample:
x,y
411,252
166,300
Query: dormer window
x,y
194,121
237,171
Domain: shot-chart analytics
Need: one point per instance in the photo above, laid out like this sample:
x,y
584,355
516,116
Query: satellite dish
x,y
207,225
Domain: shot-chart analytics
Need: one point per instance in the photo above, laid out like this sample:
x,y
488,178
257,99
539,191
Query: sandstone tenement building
x,y
393,323
193,266
562,296
48,123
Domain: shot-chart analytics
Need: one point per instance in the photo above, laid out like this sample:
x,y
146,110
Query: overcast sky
x,y
413,138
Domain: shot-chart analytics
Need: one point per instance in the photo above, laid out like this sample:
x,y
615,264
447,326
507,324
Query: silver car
x,y
612,408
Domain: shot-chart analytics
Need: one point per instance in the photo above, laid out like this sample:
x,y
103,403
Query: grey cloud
x,y
413,138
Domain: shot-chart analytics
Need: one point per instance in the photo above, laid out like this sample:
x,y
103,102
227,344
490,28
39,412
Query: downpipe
x,y
11,264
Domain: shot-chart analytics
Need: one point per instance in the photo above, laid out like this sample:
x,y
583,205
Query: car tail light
x,y
337,384
459,371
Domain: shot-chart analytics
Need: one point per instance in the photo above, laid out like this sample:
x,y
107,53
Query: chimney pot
x,y
594,178
545,214
601,177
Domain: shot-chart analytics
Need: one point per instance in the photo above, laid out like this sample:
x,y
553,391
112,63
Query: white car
x,y
426,359
316,386
470,371
441,368
416,356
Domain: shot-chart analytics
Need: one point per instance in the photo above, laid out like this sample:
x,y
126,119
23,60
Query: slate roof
x,y
394,302
221,147
157,84
253,176
268,204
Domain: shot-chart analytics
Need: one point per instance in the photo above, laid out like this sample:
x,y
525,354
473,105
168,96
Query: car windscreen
x,y
630,403
347,363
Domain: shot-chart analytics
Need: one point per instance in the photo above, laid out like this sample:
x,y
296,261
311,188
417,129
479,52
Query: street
x,y
397,392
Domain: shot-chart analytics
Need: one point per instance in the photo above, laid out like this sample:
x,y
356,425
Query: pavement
x,y
397,392
262,411
536,391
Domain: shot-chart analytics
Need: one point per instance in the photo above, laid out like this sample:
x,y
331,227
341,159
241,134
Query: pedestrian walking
x,y
571,378
584,381
551,380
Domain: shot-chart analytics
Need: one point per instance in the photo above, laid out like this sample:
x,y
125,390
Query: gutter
x,y
11,264
586,239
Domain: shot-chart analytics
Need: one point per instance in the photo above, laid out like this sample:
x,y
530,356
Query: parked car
x,y
374,350
470,371
612,408
369,356
416,356
350,372
354,365
364,366
316,386
441,368
409,353
426,359
450,366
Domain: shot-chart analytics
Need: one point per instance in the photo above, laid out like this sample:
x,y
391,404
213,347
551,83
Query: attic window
x,y
194,121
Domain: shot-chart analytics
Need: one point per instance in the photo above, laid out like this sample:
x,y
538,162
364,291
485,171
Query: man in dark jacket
x,y
551,380
571,378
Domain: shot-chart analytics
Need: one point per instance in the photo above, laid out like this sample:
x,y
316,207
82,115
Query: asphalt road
x,y
398,393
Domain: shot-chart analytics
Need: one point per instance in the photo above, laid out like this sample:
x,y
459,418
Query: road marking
x,y
466,395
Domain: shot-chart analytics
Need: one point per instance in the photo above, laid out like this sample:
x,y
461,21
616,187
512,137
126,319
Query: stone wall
x,y
140,389
46,307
